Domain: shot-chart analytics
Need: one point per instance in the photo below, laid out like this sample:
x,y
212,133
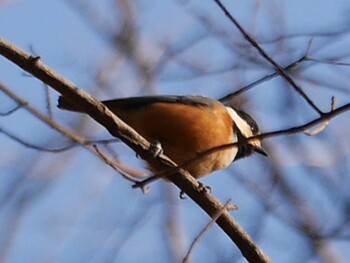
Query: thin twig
x,y
50,150
116,168
329,61
7,113
32,146
204,230
290,67
48,100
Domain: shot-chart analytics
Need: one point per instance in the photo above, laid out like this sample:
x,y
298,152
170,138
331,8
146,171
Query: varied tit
x,y
186,126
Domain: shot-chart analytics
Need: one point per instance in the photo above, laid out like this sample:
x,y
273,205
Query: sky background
x,y
72,207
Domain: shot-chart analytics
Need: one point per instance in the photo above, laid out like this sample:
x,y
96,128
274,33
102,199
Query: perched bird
x,y
186,126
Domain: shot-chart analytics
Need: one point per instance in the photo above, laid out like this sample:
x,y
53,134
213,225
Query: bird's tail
x,y
64,104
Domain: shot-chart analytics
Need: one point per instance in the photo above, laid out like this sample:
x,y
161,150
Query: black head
x,y
245,127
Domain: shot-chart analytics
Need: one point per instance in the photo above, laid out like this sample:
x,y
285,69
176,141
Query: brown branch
x,y
119,129
280,70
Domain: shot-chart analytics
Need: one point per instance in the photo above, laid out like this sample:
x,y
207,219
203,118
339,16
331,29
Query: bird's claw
x,y
155,149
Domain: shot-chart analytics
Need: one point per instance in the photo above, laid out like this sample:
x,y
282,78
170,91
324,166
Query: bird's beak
x,y
260,150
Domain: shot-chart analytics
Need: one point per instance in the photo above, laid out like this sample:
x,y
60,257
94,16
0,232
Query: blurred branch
x,y
264,54
118,128
306,221
329,61
54,150
174,232
170,52
32,146
3,114
123,35
48,101
327,34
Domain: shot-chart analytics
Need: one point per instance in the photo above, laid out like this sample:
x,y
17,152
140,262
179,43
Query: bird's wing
x,y
135,103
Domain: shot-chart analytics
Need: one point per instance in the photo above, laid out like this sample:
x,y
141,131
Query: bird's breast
x,y
184,131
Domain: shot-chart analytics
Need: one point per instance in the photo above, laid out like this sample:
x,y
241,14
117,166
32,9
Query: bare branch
x,y
7,113
48,101
329,61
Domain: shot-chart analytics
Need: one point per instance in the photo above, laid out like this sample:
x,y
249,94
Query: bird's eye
x,y
254,129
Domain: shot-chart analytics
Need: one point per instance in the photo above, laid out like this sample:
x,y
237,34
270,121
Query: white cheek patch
x,y
242,125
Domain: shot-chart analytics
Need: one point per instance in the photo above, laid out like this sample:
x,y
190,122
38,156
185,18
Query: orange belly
x,y
184,131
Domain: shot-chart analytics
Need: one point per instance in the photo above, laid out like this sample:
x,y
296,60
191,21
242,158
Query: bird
x,y
184,127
